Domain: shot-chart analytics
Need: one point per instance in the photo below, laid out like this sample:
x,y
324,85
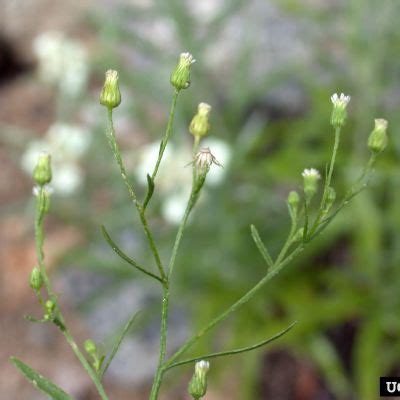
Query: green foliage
x,y
40,382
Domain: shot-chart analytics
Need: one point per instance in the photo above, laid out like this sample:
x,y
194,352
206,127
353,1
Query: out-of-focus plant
x,y
308,219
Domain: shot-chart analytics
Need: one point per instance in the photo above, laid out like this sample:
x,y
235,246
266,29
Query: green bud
x,y
110,95
310,177
377,140
49,306
200,124
42,171
36,280
339,112
198,383
180,77
293,202
90,347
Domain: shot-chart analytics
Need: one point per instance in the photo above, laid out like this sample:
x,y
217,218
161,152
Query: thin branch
x,y
231,352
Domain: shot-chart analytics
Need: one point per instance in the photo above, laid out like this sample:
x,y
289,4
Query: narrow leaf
x,y
126,258
150,191
41,383
260,246
232,352
118,343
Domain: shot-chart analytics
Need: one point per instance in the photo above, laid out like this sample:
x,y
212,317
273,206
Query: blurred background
x,y
268,68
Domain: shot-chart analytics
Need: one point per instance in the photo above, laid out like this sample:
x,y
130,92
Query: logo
x,y
389,386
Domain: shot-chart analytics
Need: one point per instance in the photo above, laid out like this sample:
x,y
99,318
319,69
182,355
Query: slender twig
x,y
58,320
126,258
232,352
118,158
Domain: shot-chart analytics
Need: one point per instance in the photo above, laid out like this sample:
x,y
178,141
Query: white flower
x,y
204,159
202,366
62,62
340,101
173,207
187,58
311,173
223,154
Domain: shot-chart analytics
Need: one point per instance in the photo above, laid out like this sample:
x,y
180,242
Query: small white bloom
x,y
311,172
187,58
340,101
204,159
202,366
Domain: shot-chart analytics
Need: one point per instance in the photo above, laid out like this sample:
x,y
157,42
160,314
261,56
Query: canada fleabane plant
x,y
308,219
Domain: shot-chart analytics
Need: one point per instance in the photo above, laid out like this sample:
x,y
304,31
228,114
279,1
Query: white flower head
x,y
311,172
204,159
187,58
202,366
340,101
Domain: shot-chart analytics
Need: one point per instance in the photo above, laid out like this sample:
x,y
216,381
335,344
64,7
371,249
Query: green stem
x,y
328,181
93,375
163,345
167,134
118,158
59,319
244,299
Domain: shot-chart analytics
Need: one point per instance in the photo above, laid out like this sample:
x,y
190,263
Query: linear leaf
x,y
126,258
232,352
118,343
40,382
150,191
261,247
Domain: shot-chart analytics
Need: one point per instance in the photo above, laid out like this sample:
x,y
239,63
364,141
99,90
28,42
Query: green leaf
x,y
118,343
40,382
150,191
261,247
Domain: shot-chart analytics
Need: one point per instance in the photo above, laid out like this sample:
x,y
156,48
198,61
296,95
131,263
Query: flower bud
x,y
377,140
339,113
42,171
36,280
310,177
90,347
293,203
110,95
200,125
198,383
49,306
180,77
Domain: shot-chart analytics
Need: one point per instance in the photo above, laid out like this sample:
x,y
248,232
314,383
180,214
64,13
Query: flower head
x,y
200,124
204,159
310,184
42,172
198,383
378,139
180,77
110,95
339,113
